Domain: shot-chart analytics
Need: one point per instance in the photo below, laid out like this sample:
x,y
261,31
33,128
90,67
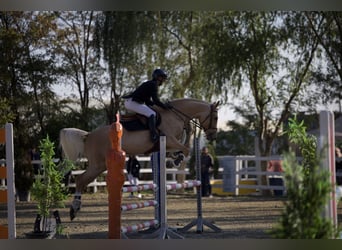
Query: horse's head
x,y
209,123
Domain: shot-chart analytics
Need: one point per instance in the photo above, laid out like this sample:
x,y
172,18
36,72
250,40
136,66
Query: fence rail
x,y
233,170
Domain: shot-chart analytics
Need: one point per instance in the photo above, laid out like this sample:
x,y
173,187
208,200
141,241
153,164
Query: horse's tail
x,y
72,143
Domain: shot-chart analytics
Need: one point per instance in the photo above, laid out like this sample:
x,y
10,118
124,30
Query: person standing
x,y
133,172
145,96
207,167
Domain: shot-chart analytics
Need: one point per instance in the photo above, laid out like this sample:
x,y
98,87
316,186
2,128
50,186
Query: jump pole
x,y
199,221
163,232
115,179
7,195
327,144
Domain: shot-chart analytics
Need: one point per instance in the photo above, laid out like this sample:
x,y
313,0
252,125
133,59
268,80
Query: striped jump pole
x,y
127,207
115,179
139,188
7,191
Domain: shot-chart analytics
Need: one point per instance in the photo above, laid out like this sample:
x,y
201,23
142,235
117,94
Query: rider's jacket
x,y
147,93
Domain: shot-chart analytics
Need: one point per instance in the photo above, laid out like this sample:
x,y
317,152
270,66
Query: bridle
x,y
210,116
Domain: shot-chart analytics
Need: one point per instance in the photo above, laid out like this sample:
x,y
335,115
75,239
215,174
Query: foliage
x,y
308,191
48,190
264,60
327,29
6,114
24,175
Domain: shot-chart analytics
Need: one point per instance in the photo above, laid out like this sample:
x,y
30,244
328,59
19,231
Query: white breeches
x,y
138,108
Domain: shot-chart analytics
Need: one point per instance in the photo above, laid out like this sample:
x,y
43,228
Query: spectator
x,y
207,164
275,180
133,172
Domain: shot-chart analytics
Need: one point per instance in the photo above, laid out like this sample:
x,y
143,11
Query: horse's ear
x,y
216,104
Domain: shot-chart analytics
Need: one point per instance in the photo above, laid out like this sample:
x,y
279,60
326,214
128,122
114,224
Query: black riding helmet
x,y
158,72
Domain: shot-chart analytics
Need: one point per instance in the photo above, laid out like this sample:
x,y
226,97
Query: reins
x,y
192,120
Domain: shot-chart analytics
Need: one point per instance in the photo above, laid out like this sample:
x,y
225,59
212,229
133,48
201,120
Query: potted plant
x,y
49,193
24,178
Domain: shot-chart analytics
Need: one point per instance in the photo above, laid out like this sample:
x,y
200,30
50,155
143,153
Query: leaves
x,y
308,191
48,190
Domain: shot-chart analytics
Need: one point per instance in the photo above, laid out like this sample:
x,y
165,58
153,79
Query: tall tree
x,y
27,72
268,54
119,36
78,60
327,27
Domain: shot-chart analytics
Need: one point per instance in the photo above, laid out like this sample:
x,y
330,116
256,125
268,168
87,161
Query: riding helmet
x,y
158,72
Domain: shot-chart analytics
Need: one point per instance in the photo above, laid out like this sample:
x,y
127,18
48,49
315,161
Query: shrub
x,y
308,191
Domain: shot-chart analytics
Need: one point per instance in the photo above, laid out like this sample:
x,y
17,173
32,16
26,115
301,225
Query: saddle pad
x,y
133,125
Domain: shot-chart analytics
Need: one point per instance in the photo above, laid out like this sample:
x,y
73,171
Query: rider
x,y
145,96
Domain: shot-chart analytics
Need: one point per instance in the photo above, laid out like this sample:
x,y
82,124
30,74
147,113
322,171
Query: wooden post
x,y
327,144
115,179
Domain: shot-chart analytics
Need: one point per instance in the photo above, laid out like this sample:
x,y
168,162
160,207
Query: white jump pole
x,y
327,144
164,231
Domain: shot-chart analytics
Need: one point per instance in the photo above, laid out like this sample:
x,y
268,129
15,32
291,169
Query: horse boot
x,y
152,126
75,206
57,217
36,228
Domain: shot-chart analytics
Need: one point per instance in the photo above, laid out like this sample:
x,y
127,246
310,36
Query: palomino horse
x,y
77,143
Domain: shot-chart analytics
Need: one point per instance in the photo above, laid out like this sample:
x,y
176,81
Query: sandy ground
x,y
243,217
237,217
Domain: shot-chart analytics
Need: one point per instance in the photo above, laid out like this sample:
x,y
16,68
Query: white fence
x,y
239,168
232,170
145,172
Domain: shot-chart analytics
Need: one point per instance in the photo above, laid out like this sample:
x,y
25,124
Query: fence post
x,y
115,179
327,144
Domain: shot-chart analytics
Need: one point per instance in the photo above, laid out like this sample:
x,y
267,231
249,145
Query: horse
x,y
77,143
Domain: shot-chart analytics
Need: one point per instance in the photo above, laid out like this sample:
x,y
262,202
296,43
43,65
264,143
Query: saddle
x,y
136,122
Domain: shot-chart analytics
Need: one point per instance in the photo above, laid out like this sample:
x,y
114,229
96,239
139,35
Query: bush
x,y
308,191
48,191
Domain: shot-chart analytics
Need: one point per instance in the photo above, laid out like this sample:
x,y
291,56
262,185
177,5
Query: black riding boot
x,y
152,126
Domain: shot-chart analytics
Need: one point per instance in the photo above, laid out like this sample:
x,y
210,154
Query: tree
x,y
327,27
27,73
120,36
246,49
75,49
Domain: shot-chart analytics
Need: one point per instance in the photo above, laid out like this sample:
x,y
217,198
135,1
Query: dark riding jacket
x,y
147,93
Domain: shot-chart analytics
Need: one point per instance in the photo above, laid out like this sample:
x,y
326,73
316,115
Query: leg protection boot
x,y
152,126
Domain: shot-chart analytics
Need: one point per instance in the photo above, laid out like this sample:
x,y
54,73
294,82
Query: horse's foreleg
x,y
81,182
173,143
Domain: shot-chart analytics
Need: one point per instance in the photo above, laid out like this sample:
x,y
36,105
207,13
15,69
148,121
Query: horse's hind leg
x,y
81,182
